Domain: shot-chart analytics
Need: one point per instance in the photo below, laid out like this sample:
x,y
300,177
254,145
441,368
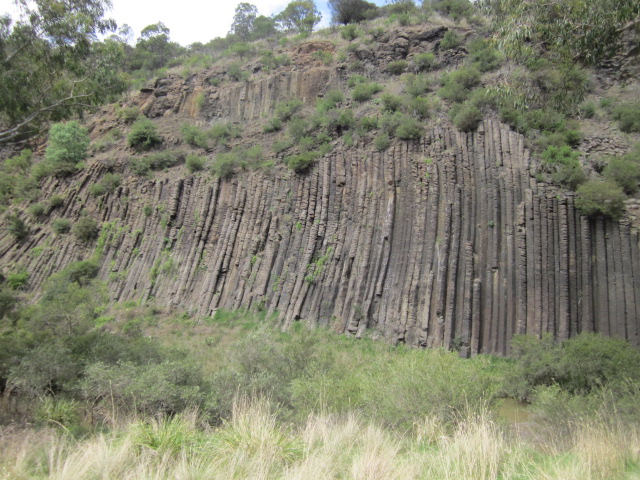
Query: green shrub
x,y
382,142
302,162
397,67
483,99
545,120
298,128
330,101
564,164
467,117
600,198
108,184
368,123
624,171
571,175
424,389
61,225
235,72
628,117
86,229
161,160
409,129
562,87
417,85
21,163
17,227
287,109
354,80
419,107
18,280
144,135
282,145
588,109
37,211
252,157
349,32
340,120
194,136
195,163
81,272
390,103
424,61
457,85
225,164
483,56
68,145
450,40
364,91
128,114
223,132
579,365
273,125
324,56
56,201
139,166
559,155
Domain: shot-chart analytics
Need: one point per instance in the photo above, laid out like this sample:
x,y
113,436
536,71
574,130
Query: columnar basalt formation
x,y
448,241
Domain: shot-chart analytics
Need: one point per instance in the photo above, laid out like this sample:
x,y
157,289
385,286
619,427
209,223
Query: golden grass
x,y
253,445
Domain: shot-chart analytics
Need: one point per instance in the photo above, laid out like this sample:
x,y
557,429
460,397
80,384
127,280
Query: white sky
x,y
189,20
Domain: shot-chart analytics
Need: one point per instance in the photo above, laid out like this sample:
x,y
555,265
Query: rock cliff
x,y
446,241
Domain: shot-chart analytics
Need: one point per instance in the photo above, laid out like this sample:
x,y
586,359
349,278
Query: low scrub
x,y
466,117
144,135
86,229
457,85
363,92
628,117
597,198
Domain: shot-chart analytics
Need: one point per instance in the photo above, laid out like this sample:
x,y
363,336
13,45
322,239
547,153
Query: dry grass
x,y
253,445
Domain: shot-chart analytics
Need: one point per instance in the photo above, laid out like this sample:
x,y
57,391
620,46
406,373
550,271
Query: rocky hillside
x,y
451,239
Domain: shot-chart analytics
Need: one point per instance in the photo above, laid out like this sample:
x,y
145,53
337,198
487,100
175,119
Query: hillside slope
x,y
447,240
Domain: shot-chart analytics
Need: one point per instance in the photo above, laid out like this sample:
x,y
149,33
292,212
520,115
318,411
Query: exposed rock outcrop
x,y
447,241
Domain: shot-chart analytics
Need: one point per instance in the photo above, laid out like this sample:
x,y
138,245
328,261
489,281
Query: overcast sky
x,y
189,20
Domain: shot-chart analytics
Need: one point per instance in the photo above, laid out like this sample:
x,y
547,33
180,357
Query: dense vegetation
x,y
235,384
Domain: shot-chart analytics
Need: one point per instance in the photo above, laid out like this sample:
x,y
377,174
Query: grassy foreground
x,y
132,392
252,444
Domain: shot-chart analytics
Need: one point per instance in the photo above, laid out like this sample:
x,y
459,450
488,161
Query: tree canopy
x,y
299,16
243,20
52,65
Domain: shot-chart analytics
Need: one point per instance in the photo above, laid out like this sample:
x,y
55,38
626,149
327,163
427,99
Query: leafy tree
x,y
351,11
51,64
154,47
68,145
299,16
585,31
243,20
263,27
